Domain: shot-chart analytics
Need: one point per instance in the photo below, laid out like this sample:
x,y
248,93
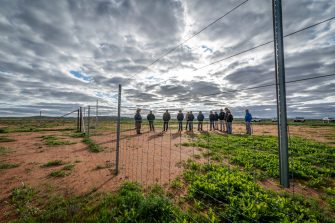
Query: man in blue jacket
x,y
200,119
190,119
221,120
247,119
138,121
166,119
180,118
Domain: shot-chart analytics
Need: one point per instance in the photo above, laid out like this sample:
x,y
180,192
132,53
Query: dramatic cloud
x,y
58,55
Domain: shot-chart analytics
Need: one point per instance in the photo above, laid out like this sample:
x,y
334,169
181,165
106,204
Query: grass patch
x,y
53,163
92,146
58,173
129,204
5,150
68,166
6,139
55,141
78,135
4,166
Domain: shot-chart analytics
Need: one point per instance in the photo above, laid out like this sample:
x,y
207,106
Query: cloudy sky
x,y
58,55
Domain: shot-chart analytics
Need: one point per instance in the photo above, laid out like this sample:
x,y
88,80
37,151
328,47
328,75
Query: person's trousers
x,y
222,125
190,125
151,125
180,126
200,126
186,125
229,127
138,127
248,127
211,125
166,126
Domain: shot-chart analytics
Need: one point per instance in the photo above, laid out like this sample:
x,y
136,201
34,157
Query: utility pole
x,y
80,118
281,93
118,132
78,122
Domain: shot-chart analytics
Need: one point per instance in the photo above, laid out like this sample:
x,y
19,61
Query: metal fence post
x,y
281,92
78,122
88,120
80,119
118,132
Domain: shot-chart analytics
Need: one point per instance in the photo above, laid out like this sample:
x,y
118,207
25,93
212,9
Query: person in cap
x,y
166,119
180,118
151,118
211,120
186,118
138,121
221,120
248,119
229,122
200,119
190,119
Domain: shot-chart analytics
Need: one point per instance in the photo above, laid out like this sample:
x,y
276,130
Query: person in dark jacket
x,y
221,120
180,118
229,122
200,119
138,121
151,118
211,120
216,120
190,119
247,119
166,119
186,118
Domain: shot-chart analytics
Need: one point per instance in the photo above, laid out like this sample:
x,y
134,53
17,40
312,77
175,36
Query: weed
x,y
58,173
69,166
78,135
53,163
99,167
92,146
5,150
54,141
4,165
6,139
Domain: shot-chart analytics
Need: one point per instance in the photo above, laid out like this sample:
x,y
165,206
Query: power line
x,y
266,43
258,46
268,85
186,40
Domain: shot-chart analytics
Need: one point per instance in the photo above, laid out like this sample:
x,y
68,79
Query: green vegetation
x,y
128,204
5,150
4,166
233,194
92,146
59,173
78,135
54,141
6,139
68,166
310,161
53,163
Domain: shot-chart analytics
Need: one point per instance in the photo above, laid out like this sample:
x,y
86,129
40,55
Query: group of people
x,y
222,121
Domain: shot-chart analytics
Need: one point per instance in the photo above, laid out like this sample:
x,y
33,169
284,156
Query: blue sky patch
x,y
81,76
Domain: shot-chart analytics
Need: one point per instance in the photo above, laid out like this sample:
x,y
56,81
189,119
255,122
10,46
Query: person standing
x,y
166,119
225,118
138,121
180,118
211,120
221,120
190,119
229,123
200,119
216,120
247,119
151,118
186,118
